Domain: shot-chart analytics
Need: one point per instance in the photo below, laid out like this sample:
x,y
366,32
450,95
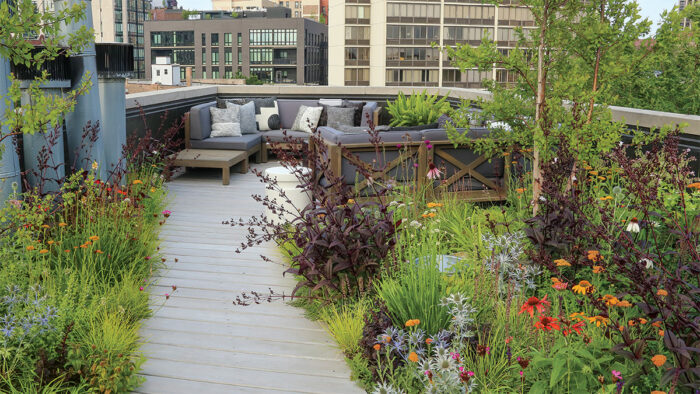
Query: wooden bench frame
x,y
420,154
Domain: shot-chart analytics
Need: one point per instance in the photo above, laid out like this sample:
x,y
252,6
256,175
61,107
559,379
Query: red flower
x,y
574,327
547,323
533,303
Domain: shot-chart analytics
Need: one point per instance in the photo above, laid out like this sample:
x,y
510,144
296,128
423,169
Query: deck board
x,y
197,340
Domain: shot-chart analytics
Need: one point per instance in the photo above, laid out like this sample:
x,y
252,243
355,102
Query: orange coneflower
x,y
547,323
624,304
659,360
598,269
583,287
610,299
598,320
594,255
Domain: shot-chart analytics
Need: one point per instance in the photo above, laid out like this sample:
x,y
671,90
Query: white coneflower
x,y
648,264
633,226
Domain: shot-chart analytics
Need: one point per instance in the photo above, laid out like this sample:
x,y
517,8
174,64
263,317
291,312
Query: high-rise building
x,y
389,42
310,9
268,44
122,21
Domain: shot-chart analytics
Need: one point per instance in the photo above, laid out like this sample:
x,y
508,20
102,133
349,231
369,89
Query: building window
x,y
356,76
263,73
165,71
296,14
409,77
419,11
357,33
204,73
297,4
240,39
228,39
228,73
204,39
357,12
228,56
215,73
204,55
157,73
214,56
272,37
356,53
261,55
404,53
214,39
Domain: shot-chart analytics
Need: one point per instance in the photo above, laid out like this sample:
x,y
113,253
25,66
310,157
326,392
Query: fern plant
x,y
417,109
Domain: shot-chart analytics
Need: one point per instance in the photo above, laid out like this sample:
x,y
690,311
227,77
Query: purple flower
x,y
427,142
616,374
429,146
415,165
398,146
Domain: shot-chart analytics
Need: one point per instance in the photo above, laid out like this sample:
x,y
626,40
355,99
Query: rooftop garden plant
x,y
417,109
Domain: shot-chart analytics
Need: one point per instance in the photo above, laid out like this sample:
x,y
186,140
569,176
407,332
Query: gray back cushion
x,y
246,116
339,117
289,108
200,121
367,112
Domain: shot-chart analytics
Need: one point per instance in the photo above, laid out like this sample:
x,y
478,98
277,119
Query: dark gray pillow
x,y
340,117
415,128
246,114
357,105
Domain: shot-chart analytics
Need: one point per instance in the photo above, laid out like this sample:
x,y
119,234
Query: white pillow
x,y
307,118
225,129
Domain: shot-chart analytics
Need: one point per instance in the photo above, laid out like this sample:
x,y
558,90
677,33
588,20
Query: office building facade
x,y
389,43
122,21
277,50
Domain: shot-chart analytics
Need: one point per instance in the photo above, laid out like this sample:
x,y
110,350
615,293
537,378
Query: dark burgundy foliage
x,y
565,228
339,245
377,320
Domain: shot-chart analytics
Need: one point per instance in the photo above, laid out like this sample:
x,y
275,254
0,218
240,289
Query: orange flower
x,y
577,315
624,304
42,251
428,341
413,357
560,285
662,293
661,333
595,173
51,242
583,287
30,248
659,360
45,226
533,303
67,250
137,182
658,392
62,224
94,238
594,255
520,190
610,299
695,185
598,320
429,215
377,347
434,205
99,251
656,324
598,269
562,263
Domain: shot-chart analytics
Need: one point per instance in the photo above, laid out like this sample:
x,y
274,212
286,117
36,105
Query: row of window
x,y
469,12
460,33
405,53
412,32
357,12
412,76
413,10
273,37
357,32
356,53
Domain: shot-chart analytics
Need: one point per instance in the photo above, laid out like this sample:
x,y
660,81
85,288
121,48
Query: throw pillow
x,y
339,117
307,118
357,105
325,103
246,116
219,115
226,129
267,114
221,103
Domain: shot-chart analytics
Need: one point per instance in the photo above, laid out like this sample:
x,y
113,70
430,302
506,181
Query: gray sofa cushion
x,y
338,116
415,128
336,136
441,134
244,142
288,109
278,136
246,114
200,121
367,112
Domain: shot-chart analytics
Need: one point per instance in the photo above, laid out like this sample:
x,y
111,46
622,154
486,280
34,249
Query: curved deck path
x,y
198,341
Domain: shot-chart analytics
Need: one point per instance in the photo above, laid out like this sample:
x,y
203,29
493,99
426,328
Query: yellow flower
x,y
94,238
45,226
137,182
153,190
594,255
610,299
351,201
30,248
598,269
562,263
62,224
606,198
659,360
578,316
42,251
624,304
582,287
598,320
94,165
587,168
413,357
662,293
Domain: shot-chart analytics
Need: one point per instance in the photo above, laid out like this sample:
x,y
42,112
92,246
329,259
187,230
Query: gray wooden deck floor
x,y
198,341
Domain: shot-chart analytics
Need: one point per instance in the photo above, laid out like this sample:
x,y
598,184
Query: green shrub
x,y
345,324
417,109
415,293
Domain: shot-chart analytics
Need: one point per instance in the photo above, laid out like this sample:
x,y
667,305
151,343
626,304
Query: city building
x,y
122,21
275,49
389,43
310,9
164,72
681,5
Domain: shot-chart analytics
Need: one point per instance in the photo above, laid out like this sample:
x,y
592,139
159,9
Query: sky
x,y
650,8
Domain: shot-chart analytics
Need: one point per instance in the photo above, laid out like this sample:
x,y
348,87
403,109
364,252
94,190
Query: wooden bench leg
x,y
226,175
244,166
263,152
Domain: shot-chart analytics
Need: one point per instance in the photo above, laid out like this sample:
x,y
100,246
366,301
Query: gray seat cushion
x,y
244,142
288,109
441,134
336,136
278,136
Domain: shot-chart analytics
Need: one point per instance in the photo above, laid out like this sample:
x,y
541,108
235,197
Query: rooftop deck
x,y
198,341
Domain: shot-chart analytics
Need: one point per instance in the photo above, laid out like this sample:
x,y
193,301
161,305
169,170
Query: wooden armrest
x,y
187,130
375,116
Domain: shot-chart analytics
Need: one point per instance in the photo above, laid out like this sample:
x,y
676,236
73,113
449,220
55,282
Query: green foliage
x,y
187,13
253,80
668,78
415,293
345,324
417,109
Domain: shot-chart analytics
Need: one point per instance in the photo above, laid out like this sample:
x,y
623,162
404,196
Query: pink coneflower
x,y
433,172
429,146
399,146
166,213
141,288
167,296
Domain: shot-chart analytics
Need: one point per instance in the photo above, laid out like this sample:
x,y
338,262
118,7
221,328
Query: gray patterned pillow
x,y
339,117
246,116
307,118
228,115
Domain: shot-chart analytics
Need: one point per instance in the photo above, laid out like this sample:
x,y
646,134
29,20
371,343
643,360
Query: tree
x,y
21,26
669,79
560,73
